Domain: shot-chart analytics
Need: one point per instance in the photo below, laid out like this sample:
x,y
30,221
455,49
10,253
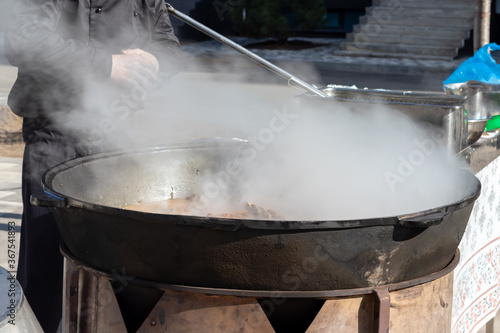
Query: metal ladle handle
x,y
197,25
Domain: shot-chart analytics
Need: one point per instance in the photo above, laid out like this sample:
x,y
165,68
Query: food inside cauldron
x,y
183,207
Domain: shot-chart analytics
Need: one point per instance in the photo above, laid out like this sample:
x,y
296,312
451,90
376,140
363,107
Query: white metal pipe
x,y
482,24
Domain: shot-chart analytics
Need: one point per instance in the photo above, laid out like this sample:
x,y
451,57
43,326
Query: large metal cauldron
x,y
87,194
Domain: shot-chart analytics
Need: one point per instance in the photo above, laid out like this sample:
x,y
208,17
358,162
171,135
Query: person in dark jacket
x,y
69,52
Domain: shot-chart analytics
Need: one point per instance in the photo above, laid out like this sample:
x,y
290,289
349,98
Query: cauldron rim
x,y
424,218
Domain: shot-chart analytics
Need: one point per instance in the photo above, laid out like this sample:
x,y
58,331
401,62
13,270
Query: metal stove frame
x,y
90,305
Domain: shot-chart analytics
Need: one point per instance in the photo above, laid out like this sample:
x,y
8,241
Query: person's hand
x,y
147,59
134,67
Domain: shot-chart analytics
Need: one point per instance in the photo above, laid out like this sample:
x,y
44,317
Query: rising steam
x,y
306,163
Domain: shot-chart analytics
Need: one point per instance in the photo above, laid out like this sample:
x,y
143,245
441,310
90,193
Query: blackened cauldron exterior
x,y
87,195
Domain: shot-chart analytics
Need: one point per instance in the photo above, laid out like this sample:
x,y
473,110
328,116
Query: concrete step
x,y
465,4
402,49
423,40
417,21
436,32
369,53
421,12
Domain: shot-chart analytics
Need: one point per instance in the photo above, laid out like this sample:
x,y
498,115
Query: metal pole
x,y
241,49
482,24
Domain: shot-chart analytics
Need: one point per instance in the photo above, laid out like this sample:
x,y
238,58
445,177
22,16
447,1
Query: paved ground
x,y
320,66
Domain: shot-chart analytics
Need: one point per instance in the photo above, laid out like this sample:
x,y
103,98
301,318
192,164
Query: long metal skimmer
x,y
246,52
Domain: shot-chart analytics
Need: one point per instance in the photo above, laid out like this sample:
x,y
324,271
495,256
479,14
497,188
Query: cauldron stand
x,y
91,304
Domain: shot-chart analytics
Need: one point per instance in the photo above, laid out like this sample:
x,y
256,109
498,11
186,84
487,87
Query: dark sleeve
x,y
164,44
33,44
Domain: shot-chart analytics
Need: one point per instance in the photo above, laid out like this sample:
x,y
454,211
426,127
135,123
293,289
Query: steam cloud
x,y
337,163
309,163
305,163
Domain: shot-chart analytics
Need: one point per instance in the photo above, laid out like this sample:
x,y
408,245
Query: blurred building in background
x,y
341,17
408,28
382,28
